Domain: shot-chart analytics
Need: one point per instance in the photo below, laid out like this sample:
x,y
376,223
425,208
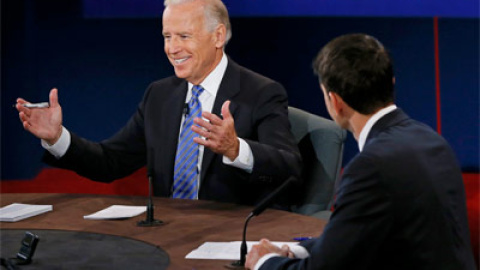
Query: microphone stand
x,y
240,264
149,221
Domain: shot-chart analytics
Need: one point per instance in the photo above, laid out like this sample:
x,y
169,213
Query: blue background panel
x,y
279,8
102,67
460,93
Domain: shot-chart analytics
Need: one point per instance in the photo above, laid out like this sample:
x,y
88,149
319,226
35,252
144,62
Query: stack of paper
x,y
18,211
117,212
225,250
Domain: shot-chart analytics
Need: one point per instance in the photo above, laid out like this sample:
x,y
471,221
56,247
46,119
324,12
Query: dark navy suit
x,y
259,108
400,205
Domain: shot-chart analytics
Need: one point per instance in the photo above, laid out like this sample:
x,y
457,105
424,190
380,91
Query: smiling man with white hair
x,y
214,131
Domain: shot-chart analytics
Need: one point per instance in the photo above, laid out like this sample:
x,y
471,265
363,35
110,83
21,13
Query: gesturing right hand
x,y
44,123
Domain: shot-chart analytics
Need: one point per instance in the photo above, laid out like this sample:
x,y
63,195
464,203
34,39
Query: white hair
x,y
215,13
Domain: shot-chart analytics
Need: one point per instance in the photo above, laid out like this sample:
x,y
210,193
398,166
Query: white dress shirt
x,y
211,84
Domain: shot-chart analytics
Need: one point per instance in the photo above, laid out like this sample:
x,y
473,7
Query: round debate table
x,y
188,223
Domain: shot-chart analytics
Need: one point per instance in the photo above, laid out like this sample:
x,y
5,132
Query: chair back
x,y
321,142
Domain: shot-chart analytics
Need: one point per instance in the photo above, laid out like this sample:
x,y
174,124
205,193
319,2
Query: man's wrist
x,y
60,147
244,160
56,138
233,154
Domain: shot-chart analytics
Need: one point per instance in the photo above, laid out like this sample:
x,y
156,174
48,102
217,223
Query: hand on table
x,y
263,248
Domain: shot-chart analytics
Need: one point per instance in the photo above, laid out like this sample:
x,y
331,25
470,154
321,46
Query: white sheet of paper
x,y
225,250
117,212
18,211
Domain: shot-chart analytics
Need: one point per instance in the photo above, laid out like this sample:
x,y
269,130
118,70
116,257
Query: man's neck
x,y
364,123
357,123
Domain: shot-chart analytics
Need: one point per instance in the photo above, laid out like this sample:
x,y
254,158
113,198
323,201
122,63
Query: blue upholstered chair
x,y
320,142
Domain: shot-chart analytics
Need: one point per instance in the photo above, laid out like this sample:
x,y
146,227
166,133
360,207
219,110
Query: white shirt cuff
x,y
263,259
299,252
61,146
245,157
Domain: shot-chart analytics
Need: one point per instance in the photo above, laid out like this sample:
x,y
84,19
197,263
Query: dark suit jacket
x,y
400,205
259,107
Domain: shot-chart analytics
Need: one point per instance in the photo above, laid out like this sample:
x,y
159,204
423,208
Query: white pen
x,y
36,105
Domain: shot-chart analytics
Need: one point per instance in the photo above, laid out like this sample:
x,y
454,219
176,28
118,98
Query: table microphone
x,y
150,221
255,212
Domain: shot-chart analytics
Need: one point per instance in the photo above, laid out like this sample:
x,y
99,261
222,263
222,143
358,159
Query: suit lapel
x,y
229,87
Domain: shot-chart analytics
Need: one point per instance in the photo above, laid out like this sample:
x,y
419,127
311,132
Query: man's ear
x,y
220,35
337,103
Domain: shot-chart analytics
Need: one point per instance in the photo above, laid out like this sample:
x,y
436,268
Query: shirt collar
x,y
213,80
368,126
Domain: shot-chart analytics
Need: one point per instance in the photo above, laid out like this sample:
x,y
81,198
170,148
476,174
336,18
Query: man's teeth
x,y
179,61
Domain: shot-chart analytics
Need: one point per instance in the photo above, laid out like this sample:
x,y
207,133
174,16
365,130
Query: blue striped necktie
x,y
185,176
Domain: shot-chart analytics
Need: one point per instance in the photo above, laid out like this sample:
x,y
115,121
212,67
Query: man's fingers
x,y
27,126
285,251
23,116
19,106
213,118
264,241
226,110
202,123
53,97
21,101
202,132
203,142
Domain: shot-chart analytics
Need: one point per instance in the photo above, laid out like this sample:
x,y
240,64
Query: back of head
x,y
215,13
359,69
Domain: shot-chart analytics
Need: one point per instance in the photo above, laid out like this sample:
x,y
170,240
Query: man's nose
x,y
173,45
